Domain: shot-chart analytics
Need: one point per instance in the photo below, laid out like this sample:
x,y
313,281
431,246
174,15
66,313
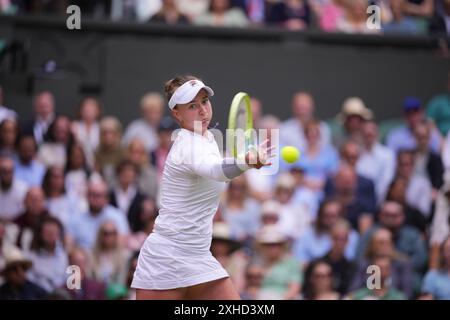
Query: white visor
x,y
187,92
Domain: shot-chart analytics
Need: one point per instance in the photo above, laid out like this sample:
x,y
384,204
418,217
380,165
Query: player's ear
x,y
176,114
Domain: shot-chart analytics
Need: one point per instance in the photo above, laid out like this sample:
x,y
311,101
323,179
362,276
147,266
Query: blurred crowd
x,y
363,214
347,16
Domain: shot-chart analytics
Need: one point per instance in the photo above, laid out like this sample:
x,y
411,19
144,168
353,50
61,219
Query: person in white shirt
x,y
175,261
376,162
86,129
292,131
12,191
152,105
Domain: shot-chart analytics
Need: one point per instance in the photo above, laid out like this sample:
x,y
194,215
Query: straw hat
x,y
270,234
354,106
271,207
286,180
14,257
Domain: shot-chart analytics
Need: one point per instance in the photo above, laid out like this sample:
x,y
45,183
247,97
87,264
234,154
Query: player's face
x,y
195,114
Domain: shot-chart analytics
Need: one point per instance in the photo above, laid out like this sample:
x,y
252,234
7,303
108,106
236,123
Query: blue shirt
x,y
32,174
405,26
84,227
320,166
437,283
313,245
244,222
403,138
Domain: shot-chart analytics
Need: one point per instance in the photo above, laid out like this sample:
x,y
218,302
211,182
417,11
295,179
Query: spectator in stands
x,y
48,255
376,162
158,156
9,134
343,268
303,196
440,27
125,195
17,286
260,181
401,23
5,113
193,8
354,19
221,14
319,282
317,241
290,14
169,14
407,239
109,257
282,274
419,189
318,160
60,203
381,245
254,275
438,108
145,128
440,225
52,152
27,168
12,190
146,175
270,213
357,199
413,217
86,128
350,153
328,13
437,281
241,212
295,218
109,152
292,131
228,252
422,11
403,137
89,288
31,218
143,225
352,117
123,10
385,291
77,173
428,163
48,6
83,228
44,115
5,245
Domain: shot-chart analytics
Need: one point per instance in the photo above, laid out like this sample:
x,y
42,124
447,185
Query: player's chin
x,y
205,123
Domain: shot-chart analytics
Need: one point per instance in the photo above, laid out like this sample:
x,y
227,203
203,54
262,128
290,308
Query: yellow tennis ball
x,y
290,154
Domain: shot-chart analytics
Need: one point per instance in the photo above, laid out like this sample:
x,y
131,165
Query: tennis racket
x,y
240,133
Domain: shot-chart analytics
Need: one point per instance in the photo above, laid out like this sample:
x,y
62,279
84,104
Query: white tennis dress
x,y
176,254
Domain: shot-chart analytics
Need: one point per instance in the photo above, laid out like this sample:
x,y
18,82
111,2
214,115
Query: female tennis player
x,y
175,261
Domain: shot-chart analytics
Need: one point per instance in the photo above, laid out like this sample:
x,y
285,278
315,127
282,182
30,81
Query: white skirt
x,y
164,265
